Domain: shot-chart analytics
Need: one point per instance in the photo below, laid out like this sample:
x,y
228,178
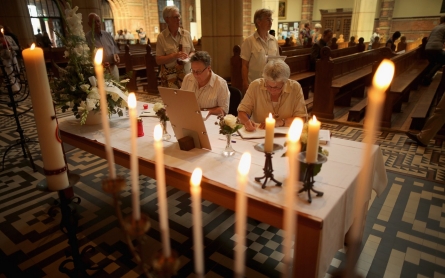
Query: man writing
x,y
316,48
96,38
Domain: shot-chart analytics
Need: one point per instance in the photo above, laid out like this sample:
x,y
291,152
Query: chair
x,y
235,99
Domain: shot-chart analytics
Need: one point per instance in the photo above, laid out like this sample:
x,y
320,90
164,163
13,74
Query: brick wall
x,y
411,28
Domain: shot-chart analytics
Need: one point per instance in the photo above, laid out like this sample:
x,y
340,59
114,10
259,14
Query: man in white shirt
x,y
211,90
376,34
127,35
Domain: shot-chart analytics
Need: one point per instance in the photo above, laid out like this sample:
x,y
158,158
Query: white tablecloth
x,y
337,178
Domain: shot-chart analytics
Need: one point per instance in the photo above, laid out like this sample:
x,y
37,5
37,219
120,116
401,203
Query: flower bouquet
x,y
160,111
76,88
228,125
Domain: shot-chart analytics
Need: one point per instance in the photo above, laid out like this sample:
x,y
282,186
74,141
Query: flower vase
x,y
93,118
228,151
165,135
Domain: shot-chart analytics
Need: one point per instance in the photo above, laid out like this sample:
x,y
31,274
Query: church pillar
x,y
222,29
247,18
363,16
198,19
307,10
385,19
15,14
85,8
273,6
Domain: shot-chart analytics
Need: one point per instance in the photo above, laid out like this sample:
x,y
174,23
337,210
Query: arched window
x,y
107,17
45,20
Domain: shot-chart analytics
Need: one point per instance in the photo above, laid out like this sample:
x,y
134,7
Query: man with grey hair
x,y
210,89
375,35
273,94
257,47
97,38
173,48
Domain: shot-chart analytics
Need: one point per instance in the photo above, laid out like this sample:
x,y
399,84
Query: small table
x,y
321,226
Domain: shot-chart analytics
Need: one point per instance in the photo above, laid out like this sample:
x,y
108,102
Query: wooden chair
x,y
235,99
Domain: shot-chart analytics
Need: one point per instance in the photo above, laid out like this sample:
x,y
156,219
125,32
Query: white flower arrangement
x,y
228,124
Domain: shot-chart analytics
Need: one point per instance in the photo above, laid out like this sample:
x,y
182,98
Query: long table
x,y
321,225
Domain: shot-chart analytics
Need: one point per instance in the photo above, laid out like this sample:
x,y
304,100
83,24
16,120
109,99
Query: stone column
x,y
222,30
15,14
385,19
272,5
85,8
198,19
363,15
247,18
307,11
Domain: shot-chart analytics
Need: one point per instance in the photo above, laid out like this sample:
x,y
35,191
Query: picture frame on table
x,y
282,9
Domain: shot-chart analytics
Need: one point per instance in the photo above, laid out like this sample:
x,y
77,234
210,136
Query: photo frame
x,y
285,26
282,9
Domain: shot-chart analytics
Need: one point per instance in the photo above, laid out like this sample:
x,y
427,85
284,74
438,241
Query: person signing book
x,y
275,93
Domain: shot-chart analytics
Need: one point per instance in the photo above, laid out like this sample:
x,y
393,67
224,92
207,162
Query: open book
x,y
324,137
151,113
261,133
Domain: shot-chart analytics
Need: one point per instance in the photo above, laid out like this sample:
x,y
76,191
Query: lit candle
x,y
195,191
6,42
104,111
270,130
241,214
293,148
162,194
312,140
47,130
134,165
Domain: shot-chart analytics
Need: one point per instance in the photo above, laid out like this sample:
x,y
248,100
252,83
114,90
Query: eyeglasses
x,y
268,19
175,17
270,88
198,72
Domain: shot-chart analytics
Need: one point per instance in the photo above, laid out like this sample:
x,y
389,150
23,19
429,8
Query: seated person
x,y
361,45
352,42
287,42
340,39
376,43
334,44
309,43
391,42
316,48
275,93
211,90
402,44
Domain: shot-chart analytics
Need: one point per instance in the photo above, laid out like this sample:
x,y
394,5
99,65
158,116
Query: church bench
x,y
134,64
343,51
409,70
300,71
357,112
152,70
236,65
293,47
338,79
295,52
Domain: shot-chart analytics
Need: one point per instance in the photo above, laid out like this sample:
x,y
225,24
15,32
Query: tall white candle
x,y
134,165
195,191
270,129
4,37
162,194
376,97
47,130
241,214
312,140
293,148
104,111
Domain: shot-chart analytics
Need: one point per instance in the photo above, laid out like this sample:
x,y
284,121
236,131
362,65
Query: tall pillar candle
x,y
6,41
270,130
47,129
293,148
241,214
195,191
312,140
134,165
104,111
162,191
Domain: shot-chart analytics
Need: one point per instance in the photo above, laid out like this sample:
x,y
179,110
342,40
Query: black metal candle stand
x,y
268,168
308,179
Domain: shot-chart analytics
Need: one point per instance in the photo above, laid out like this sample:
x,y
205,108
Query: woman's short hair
x,y
259,14
166,12
201,56
276,70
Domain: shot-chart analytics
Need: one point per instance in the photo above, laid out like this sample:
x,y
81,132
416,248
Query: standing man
x,y
316,48
257,47
96,38
376,34
434,51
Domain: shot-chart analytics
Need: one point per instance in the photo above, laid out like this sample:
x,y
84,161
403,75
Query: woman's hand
x,y
250,126
181,55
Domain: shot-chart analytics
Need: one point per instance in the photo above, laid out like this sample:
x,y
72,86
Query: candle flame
x,y
157,133
295,130
99,56
2,31
314,119
33,46
132,101
270,115
195,180
244,164
384,74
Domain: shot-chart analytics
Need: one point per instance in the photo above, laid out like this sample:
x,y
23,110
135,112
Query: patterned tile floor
x,y
404,233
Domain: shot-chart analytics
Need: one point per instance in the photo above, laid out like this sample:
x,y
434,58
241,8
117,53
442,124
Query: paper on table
x,y
261,133
324,136
148,113
204,114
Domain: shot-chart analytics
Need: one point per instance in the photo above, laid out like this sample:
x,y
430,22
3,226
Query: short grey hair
x,y
201,56
259,14
166,12
276,70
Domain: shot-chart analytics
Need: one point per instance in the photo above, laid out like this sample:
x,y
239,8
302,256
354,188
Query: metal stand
x,y
268,169
11,79
308,180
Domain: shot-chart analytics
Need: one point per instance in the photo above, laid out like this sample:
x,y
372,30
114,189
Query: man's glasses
x,y
198,72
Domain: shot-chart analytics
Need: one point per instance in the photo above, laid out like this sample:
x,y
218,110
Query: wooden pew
x,y
295,52
152,70
407,76
343,51
236,65
339,78
136,64
300,71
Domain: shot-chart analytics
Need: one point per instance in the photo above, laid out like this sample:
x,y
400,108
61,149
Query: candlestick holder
x,y
159,265
308,180
268,169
